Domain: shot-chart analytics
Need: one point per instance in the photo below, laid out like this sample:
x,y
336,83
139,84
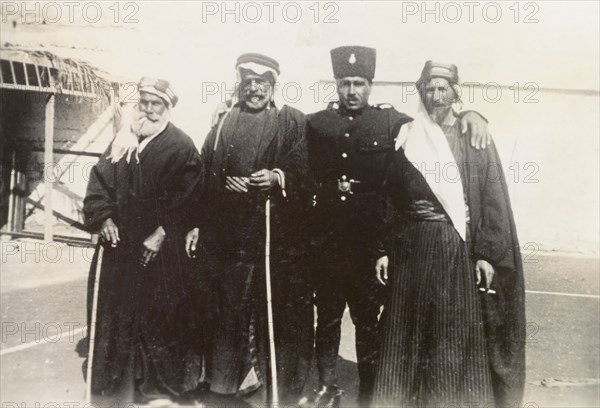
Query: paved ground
x,y
43,314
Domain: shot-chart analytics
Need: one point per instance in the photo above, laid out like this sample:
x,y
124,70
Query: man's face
x,y
438,97
151,115
152,106
256,91
354,92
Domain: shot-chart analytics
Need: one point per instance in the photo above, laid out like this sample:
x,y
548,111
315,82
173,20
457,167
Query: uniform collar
x,y
339,108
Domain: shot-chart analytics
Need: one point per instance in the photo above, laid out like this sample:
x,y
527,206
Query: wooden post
x,y
49,164
11,194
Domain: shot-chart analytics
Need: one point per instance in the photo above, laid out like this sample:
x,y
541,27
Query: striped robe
x,y
443,341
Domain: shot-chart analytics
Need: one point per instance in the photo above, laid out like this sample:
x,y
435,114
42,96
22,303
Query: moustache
x,y
142,117
254,92
254,95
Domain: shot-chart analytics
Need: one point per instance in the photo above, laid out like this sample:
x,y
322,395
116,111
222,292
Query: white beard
x,y
142,126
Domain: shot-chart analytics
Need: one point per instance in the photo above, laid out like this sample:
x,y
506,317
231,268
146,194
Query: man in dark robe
x,y
135,198
255,152
453,329
349,145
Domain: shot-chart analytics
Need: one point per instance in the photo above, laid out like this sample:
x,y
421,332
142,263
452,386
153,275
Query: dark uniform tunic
x,y
348,155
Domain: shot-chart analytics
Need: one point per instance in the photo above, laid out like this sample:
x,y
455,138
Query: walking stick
x,y
274,390
92,328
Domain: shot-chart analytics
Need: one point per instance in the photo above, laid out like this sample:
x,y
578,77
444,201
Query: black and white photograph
x,y
300,204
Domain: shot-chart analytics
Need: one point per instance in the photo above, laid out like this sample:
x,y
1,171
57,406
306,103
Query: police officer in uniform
x,y
349,146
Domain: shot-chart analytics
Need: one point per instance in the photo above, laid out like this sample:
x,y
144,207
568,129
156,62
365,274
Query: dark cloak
x,y
145,316
493,238
232,236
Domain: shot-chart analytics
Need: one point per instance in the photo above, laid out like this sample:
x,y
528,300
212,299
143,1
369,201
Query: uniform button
x,y
344,155
350,117
347,134
343,198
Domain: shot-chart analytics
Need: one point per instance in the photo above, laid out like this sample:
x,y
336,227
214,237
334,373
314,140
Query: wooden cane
x,y
274,388
92,328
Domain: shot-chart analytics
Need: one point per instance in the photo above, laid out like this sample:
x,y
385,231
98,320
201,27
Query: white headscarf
x,y
426,147
126,143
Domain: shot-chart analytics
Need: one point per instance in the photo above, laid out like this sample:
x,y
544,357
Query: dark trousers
x,y
346,276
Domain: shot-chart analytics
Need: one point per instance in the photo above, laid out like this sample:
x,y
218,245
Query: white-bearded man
x,y
136,199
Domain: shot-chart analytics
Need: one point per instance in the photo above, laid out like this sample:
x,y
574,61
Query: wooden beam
x,y
48,160
57,238
62,217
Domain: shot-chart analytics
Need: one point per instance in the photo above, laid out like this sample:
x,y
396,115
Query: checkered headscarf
x,y
159,87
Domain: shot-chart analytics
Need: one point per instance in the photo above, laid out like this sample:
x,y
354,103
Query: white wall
x,y
559,53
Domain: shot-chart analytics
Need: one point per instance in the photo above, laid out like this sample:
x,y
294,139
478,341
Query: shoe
x,y
328,396
194,396
160,403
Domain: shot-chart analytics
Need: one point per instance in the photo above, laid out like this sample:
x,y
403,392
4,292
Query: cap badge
x,y
352,59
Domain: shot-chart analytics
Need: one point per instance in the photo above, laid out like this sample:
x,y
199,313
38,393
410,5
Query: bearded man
x,y
453,328
135,198
253,152
350,144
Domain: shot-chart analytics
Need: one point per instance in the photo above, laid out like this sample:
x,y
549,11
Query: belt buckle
x,y
345,186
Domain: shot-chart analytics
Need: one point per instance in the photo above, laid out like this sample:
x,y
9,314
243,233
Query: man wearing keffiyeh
x,y
136,198
453,327
255,150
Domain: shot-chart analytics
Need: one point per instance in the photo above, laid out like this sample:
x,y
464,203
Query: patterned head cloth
x,y
353,60
158,87
438,70
259,64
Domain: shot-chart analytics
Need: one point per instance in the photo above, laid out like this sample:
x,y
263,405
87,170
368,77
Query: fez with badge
x,y
349,61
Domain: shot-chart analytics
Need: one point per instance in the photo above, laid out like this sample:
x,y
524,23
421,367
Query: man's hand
x,y
484,273
152,245
236,184
381,269
263,179
477,127
110,232
191,240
